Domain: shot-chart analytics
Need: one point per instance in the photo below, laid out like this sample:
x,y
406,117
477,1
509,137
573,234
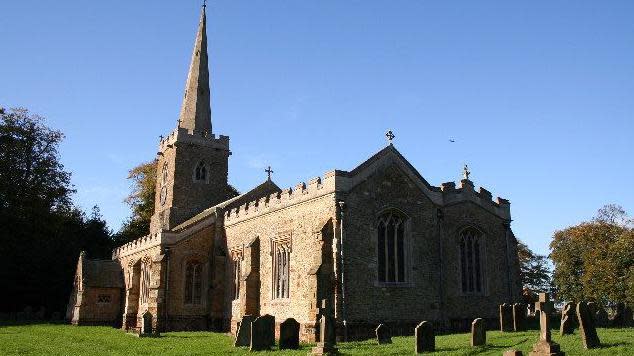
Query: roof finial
x,y
465,172
390,136
204,3
269,171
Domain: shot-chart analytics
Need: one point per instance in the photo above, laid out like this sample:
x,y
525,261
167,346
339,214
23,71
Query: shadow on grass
x,y
607,345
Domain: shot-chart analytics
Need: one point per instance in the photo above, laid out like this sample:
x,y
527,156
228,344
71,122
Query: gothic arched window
x,y
193,282
200,173
281,252
145,282
164,174
471,260
391,248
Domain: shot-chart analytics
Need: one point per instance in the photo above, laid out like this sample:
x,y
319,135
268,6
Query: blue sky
x,y
538,95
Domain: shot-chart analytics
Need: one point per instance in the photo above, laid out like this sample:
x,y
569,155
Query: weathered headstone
x,y
327,334
478,332
513,353
567,319
601,317
289,334
383,334
262,333
545,346
506,317
243,334
587,329
146,325
622,316
519,317
424,338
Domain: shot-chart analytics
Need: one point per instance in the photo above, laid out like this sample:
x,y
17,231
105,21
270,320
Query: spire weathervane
x,y
269,171
466,173
390,136
204,3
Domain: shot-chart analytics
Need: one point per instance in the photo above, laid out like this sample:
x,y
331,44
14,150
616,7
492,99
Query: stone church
x,y
378,242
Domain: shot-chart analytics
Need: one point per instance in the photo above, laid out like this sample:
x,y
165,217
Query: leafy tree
x,y
595,259
42,232
141,202
535,272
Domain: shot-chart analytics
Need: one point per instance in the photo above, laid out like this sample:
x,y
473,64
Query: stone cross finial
x,y
390,136
269,171
465,172
204,3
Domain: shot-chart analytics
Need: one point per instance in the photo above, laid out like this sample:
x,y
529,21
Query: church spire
x,y
195,115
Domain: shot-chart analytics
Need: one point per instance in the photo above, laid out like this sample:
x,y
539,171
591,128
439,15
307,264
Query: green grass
x,y
57,339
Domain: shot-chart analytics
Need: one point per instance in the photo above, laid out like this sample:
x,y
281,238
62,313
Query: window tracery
x,y
471,261
391,248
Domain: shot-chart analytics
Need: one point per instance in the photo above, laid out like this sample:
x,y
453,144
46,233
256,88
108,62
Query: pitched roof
x,y
101,273
262,190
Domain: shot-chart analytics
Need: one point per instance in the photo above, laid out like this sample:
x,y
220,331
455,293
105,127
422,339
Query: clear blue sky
x,y
538,95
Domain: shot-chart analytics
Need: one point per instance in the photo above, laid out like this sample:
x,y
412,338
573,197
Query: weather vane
x,y
390,136
269,171
466,172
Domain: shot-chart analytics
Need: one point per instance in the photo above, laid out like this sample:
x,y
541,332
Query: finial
x,y
390,136
204,3
269,171
466,172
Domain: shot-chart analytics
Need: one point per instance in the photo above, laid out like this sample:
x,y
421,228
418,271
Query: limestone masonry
x,y
378,243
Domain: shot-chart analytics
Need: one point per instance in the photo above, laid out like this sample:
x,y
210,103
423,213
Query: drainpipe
x,y
507,226
342,206
441,290
166,252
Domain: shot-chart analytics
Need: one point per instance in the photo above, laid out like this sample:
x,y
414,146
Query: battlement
x,y
466,191
182,135
302,192
139,244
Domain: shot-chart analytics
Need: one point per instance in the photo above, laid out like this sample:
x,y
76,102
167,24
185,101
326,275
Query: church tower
x,y
192,163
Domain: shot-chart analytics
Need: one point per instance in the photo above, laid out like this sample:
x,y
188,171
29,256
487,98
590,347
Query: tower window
x,y
200,173
471,261
391,248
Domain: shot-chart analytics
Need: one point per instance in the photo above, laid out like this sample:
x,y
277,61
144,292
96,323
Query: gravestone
x,y
146,325
289,334
587,329
622,316
513,353
506,317
262,333
545,346
243,334
40,314
601,319
383,334
519,317
478,332
424,338
327,334
567,319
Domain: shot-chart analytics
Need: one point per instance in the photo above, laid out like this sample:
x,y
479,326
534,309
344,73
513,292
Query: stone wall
x,y
92,311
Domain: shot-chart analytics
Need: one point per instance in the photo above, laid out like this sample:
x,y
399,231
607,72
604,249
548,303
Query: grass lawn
x,y
58,339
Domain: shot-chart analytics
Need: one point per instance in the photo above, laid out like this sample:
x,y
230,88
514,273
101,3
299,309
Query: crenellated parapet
x,y
139,244
301,192
482,197
182,135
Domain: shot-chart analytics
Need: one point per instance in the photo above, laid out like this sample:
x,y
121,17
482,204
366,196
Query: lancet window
x,y
200,173
471,260
281,253
145,282
193,282
391,248
236,272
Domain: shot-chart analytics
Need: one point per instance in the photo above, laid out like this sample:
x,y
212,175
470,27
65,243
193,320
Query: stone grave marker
x,y
506,317
513,353
545,346
478,332
262,333
383,334
567,319
146,325
327,335
289,334
424,338
243,334
519,317
587,329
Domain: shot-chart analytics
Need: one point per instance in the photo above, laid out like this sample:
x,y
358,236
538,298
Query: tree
x,y
595,259
42,231
534,270
140,201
